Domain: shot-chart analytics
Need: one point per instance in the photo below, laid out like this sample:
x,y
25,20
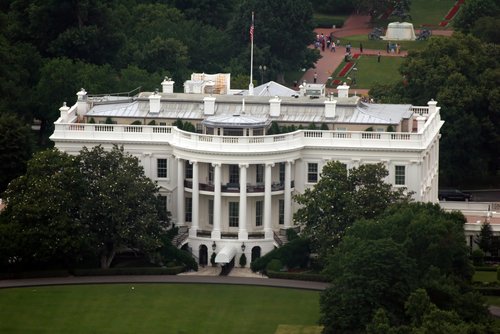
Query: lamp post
x,y
354,71
262,70
243,247
214,246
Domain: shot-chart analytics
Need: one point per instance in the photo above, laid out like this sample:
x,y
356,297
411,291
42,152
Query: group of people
x,y
326,42
393,48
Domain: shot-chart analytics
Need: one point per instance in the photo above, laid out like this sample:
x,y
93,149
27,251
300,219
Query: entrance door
x,y
255,253
203,255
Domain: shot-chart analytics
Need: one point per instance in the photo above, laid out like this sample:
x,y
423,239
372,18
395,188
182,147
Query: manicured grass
x,y
493,300
370,71
155,308
485,276
424,13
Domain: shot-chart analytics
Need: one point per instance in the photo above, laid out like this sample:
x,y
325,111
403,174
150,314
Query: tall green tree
x,y
283,31
119,205
471,11
381,262
16,146
462,73
485,238
339,198
41,217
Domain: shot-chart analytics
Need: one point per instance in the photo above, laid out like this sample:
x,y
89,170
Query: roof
x,y
271,88
252,111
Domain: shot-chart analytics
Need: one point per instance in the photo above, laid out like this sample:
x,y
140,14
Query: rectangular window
x,y
282,173
210,211
281,219
234,214
162,207
161,168
188,170
312,172
259,173
210,174
258,212
189,209
399,175
234,174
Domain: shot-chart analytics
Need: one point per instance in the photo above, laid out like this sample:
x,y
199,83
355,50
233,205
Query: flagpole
x,y
250,86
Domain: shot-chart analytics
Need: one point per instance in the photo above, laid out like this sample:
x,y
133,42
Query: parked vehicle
x,y
453,195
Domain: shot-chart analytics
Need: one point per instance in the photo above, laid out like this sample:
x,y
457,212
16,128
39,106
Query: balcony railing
x,y
258,144
235,187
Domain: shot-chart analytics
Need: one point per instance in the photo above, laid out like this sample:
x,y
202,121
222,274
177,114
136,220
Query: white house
x,y
230,185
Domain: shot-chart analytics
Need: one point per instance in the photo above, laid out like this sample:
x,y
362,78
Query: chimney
x,y
330,108
420,123
64,112
302,89
81,103
154,103
432,106
167,86
275,107
209,105
343,90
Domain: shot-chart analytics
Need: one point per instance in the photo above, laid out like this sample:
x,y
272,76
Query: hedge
x,y
35,274
297,276
484,268
488,291
129,271
328,23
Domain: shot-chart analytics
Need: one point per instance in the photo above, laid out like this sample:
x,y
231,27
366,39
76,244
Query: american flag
x,y
251,30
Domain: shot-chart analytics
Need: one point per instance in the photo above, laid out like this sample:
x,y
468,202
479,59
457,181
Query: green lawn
x,y
427,13
485,276
370,71
155,308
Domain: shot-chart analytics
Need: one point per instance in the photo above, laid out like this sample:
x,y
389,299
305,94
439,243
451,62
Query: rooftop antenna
x,y
250,86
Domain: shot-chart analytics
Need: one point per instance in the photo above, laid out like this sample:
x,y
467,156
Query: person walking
x,y
378,57
333,47
360,48
315,77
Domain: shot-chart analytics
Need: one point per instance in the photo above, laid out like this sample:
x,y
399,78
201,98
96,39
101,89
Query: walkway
x,y
354,25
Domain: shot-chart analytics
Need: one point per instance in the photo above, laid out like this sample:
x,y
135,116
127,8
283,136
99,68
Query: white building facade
x,y
229,186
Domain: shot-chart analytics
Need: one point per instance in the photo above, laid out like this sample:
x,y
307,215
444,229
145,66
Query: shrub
x,y
136,123
478,257
297,276
291,234
152,122
274,265
243,260
35,274
92,120
129,271
293,254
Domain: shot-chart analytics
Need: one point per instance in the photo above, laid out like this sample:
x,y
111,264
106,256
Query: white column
x,y
195,220
268,231
180,193
242,232
217,201
288,194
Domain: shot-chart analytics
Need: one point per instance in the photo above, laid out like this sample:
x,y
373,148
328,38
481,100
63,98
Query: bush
x,y
129,271
136,123
488,291
486,268
328,23
292,254
297,276
243,260
478,257
274,265
291,234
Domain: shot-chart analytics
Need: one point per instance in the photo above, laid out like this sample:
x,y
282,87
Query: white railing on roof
x,y
423,111
283,142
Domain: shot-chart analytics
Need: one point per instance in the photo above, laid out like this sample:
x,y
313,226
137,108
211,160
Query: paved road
x,y
282,283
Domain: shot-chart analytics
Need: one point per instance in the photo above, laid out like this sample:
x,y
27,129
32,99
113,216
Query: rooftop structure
x,y
230,184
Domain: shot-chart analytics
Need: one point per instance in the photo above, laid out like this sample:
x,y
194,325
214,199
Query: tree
x,y
485,238
41,217
471,11
381,263
119,203
282,39
340,198
16,145
463,75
